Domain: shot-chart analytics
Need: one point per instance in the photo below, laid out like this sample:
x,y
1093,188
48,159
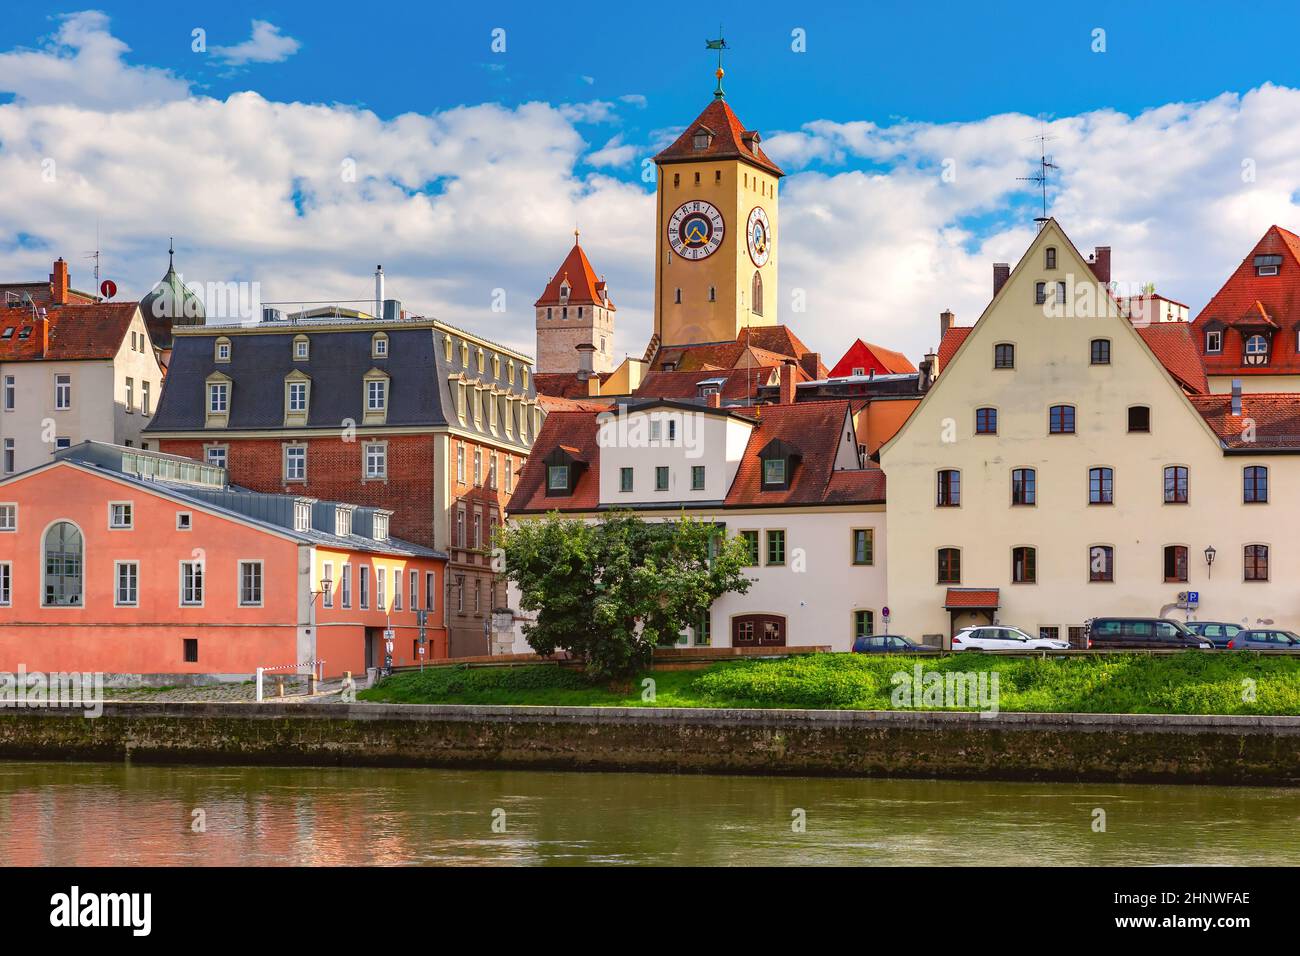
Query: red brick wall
x,y
334,470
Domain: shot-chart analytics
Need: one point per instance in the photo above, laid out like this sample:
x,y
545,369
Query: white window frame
x,y
371,452
381,588
260,580
327,574
9,508
215,389
199,577
8,457
188,524
118,566
290,452
6,584
10,393
129,511
62,392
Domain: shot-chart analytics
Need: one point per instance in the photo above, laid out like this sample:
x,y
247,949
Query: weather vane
x,y
719,44
1044,164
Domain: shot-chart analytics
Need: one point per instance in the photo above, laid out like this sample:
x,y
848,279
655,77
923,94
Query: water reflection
x,y
114,814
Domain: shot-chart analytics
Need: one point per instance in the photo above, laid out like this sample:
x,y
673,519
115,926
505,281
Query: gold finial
x,y
719,44
576,234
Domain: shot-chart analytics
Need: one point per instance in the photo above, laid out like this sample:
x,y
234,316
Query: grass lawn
x,y
1189,683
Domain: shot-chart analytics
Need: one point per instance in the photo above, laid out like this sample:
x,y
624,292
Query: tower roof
x,y
584,287
728,139
170,302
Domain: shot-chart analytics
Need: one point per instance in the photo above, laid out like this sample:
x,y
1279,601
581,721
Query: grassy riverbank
x,y
1190,683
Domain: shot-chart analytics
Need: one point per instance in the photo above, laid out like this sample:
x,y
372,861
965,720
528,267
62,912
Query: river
x,y
84,814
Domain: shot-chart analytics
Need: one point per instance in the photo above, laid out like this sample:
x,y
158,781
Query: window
x,y
130,395
1101,351
756,293
9,393
120,515
1139,418
1256,556
1060,293
376,392
297,396
146,404
327,591
1257,350
295,463
1175,564
222,350
949,566
478,466
1176,485
1254,488
697,477
301,348
1101,486
776,547
381,588
1060,420
63,392
376,460
9,464
63,566
774,471
379,346
217,455
1004,355
6,584
1101,563
460,594
363,580
492,470
428,591
1040,293
661,478
1024,486
625,479
478,529
250,583
1049,257
864,624
302,515
1024,565
9,517
510,474
751,548
986,421
190,646
342,522
184,521
557,477
126,593
460,527
345,585
1214,342
1267,265
218,398
460,463
864,546
192,583
948,491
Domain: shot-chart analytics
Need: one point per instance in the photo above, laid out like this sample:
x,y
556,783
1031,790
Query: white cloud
x,y
633,99
464,201
83,64
266,45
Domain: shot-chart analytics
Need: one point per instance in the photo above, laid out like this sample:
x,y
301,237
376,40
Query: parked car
x,y
1142,634
1264,639
887,644
1000,637
1218,632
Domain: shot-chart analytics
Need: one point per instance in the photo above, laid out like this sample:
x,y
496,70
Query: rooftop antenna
x,y
719,44
1044,164
95,255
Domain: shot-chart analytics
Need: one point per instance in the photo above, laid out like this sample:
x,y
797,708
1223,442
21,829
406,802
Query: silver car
x,y
1000,637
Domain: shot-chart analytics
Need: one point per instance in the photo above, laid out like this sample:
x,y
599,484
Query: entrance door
x,y
370,649
758,630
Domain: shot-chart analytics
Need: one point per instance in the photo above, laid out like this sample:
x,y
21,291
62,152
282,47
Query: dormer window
x,y
557,478
1257,350
779,461
381,529
379,345
564,291
1267,265
221,351
562,470
702,138
342,522
301,348
1213,342
302,515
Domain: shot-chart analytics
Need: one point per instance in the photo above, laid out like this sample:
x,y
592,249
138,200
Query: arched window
x,y
1050,257
63,565
1256,350
756,294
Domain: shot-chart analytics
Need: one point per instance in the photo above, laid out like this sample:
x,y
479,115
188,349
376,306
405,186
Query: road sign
x,y
389,634
108,288
1193,597
884,612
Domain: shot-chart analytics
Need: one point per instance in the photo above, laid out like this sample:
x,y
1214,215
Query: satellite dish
x,y
108,288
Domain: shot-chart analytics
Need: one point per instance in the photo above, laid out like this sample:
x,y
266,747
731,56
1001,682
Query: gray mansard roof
x,y
421,387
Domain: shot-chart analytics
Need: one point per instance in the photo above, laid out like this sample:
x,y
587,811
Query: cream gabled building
x,y
1066,465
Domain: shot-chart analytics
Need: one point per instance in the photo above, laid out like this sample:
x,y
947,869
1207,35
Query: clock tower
x,y
717,231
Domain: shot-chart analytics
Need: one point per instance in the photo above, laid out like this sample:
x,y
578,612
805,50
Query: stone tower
x,y
575,309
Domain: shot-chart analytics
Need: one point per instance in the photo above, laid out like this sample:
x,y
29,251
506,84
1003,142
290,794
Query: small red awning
x,y
965,598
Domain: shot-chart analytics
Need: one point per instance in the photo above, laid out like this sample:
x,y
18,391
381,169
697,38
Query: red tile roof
x,y
971,597
564,384
738,384
815,430
575,432
76,332
762,345
1249,302
952,340
550,404
871,358
584,287
1173,344
1269,421
730,140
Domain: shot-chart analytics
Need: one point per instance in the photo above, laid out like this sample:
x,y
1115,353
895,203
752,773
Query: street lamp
x,y
1209,560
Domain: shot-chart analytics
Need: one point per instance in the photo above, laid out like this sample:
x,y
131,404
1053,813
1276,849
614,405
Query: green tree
x,y
610,591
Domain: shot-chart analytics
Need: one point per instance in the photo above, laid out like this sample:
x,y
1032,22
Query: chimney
x,y
713,400
926,369
1236,397
1100,263
1001,273
809,362
787,382
44,321
59,282
946,319
586,360
379,292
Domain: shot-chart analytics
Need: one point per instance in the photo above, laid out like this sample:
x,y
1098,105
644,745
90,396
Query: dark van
x,y
1141,634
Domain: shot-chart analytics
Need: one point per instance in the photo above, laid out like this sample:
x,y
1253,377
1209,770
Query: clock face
x,y
758,234
696,229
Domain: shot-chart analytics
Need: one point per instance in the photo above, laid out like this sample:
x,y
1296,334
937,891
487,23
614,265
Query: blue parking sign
x,y
1193,597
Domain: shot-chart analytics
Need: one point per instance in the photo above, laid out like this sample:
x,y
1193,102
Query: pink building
x,y
130,562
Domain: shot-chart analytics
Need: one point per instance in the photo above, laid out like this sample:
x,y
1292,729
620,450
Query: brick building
x,y
408,414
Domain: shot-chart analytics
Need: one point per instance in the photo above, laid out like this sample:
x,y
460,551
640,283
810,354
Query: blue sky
x,y
235,149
